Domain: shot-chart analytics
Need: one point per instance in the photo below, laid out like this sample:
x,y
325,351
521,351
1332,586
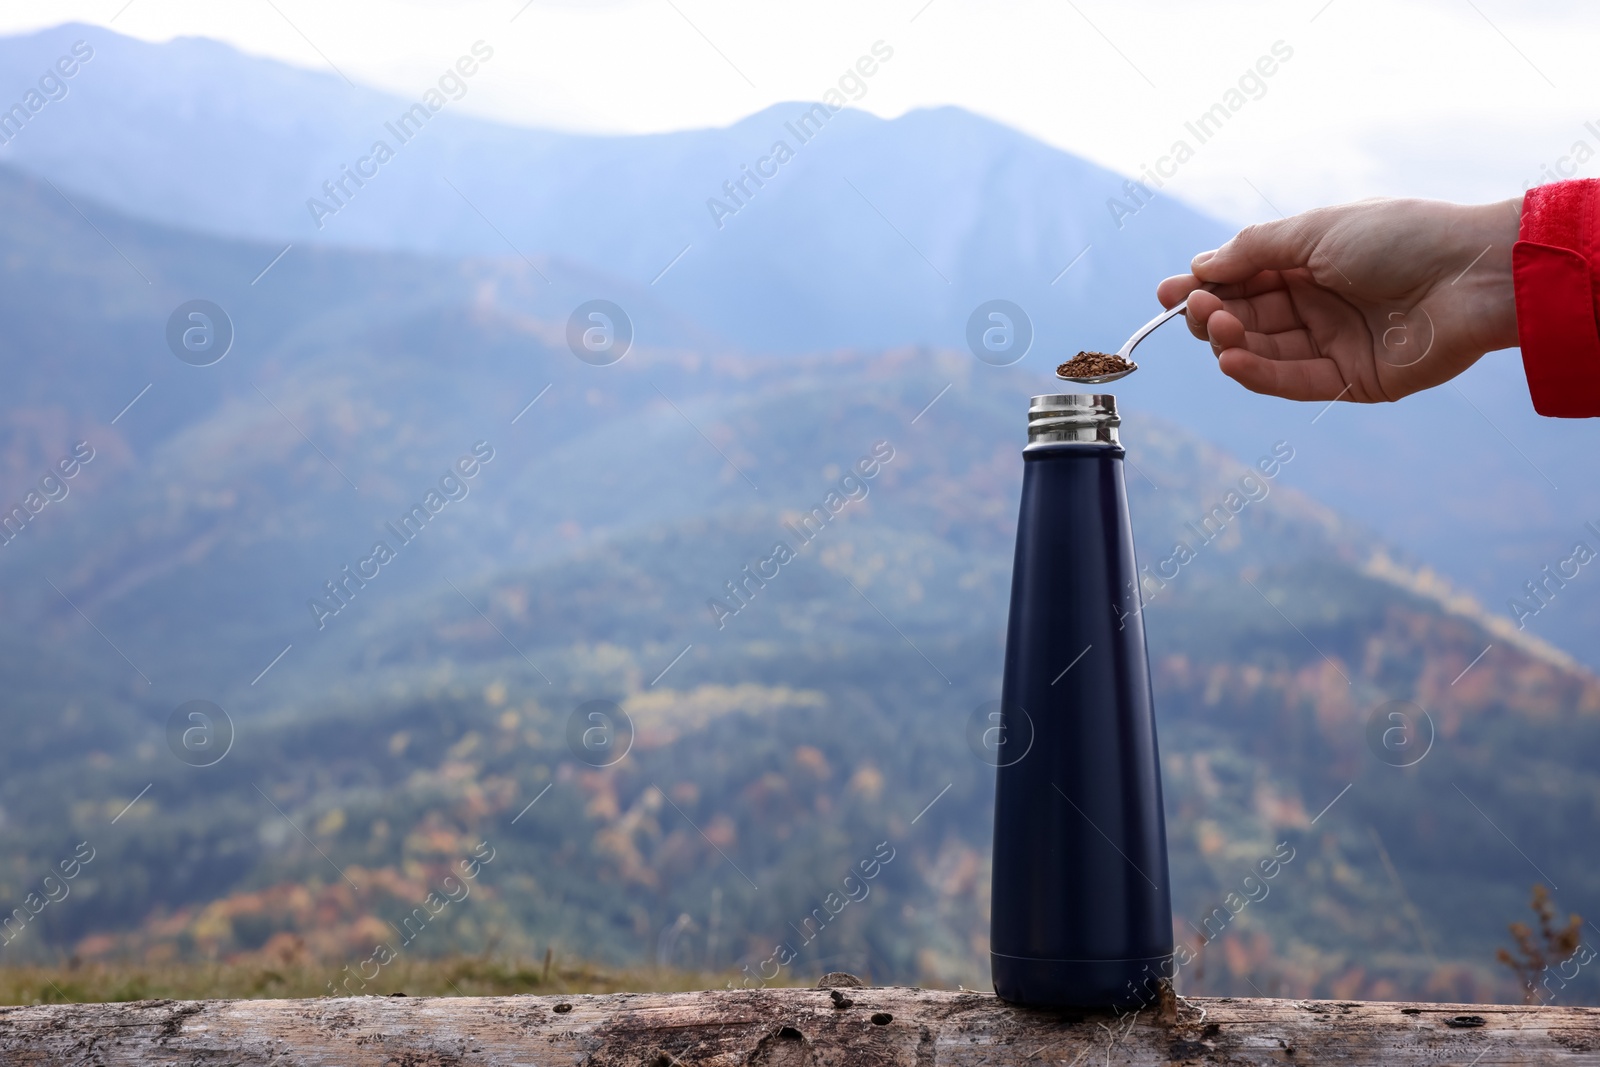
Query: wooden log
x,y
838,1027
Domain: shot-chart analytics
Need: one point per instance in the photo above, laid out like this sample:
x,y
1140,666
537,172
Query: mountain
x,y
828,251
432,713
874,234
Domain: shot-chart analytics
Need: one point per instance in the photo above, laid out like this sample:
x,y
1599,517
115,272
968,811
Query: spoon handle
x,y
1144,331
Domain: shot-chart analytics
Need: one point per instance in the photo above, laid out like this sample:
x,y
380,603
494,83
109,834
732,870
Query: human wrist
x,y
1485,236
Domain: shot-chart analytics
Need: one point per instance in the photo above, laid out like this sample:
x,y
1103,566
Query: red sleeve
x,y
1556,268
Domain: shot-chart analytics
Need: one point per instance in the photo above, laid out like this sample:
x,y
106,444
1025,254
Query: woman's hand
x,y
1365,302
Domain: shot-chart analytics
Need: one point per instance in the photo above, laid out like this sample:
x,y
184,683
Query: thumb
x,y
1281,245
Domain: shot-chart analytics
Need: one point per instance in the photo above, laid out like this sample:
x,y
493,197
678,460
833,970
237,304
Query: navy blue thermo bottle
x,y
1082,911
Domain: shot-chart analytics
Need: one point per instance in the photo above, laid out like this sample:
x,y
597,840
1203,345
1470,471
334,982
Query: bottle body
x,y
1081,907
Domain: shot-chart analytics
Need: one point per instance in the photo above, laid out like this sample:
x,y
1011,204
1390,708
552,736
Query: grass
x,y
257,979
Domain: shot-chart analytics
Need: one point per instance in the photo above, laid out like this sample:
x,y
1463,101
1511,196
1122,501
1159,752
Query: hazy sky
x,y
1467,99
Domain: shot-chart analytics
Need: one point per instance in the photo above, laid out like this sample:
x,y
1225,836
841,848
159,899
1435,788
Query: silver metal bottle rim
x,y
1084,418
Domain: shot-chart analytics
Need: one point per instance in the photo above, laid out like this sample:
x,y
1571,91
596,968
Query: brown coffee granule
x,y
1091,364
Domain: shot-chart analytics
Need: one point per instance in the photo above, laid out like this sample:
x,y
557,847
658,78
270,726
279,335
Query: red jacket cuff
x,y
1554,272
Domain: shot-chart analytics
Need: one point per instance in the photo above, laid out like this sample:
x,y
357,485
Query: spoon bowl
x,y
1128,346
1099,379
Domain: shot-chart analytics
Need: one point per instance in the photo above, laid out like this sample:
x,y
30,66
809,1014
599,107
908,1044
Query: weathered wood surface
x,y
840,1027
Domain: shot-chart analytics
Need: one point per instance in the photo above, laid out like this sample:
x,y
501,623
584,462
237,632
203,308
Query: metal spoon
x,y
1128,346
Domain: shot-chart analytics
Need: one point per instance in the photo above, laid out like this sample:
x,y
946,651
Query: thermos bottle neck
x,y
1072,418
1078,418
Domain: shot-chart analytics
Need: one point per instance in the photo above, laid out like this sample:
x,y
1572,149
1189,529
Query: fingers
x,y
1246,310
1225,331
1171,290
1202,306
1272,284
1301,379
1270,310
1269,246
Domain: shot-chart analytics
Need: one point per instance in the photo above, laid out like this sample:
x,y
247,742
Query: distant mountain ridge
x,y
925,203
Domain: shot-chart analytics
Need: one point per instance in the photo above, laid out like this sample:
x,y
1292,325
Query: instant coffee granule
x,y
1092,364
